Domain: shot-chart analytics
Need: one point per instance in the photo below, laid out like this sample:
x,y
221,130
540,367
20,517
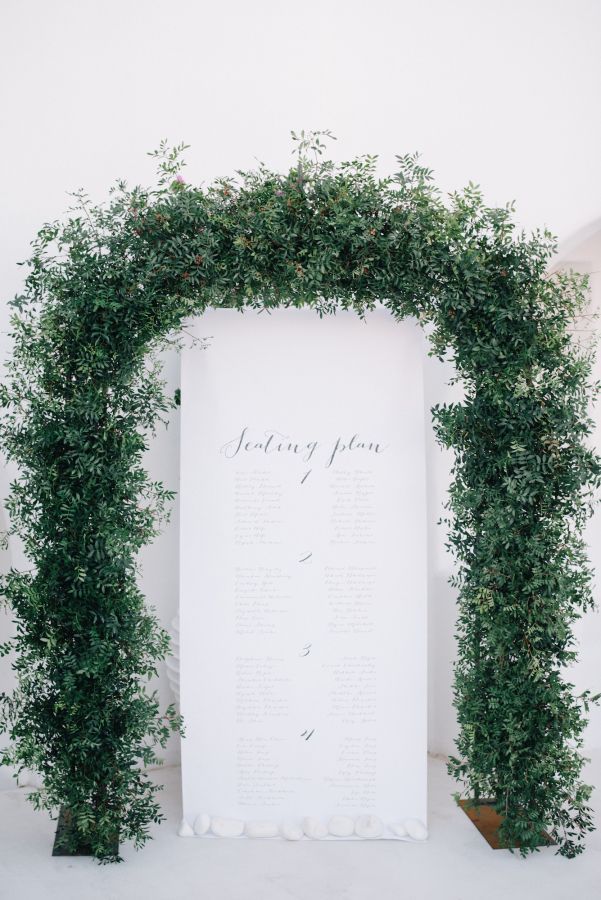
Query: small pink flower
x,y
279,193
180,179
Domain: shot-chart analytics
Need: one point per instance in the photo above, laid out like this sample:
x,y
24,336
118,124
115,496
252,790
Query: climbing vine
x,y
105,290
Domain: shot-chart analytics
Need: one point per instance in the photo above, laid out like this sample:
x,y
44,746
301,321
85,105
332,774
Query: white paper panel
x,y
303,567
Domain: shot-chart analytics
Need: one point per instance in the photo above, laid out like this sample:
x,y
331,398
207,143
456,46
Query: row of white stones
x,y
365,826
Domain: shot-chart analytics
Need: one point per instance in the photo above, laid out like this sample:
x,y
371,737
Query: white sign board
x,y
303,568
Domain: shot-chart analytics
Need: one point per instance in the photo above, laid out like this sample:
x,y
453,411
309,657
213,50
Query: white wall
x,y
501,93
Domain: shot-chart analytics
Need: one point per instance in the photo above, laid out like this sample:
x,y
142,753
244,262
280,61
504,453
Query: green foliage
x,y
84,391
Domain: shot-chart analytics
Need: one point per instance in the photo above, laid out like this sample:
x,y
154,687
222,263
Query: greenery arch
x,y
107,288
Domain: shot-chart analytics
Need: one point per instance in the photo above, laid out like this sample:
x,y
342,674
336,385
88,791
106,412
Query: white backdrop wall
x,y
501,93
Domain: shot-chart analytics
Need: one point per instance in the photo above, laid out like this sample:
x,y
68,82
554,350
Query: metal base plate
x,y
488,822
82,849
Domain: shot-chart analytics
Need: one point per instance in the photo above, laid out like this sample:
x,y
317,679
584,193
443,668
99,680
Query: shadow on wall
x,y
583,254
442,598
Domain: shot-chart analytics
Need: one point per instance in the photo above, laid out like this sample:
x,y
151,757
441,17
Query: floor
x,y
454,864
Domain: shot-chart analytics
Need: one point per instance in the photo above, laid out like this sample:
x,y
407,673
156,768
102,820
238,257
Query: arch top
x,y
325,235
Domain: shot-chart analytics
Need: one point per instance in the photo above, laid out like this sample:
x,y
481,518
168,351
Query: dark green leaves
x,y
83,392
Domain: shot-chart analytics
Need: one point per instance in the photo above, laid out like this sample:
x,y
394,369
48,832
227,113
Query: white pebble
x,y
226,828
314,829
261,829
291,831
185,830
341,826
202,823
368,827
399,830
416,829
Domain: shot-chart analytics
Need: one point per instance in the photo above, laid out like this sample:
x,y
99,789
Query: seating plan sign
x,y
303,574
